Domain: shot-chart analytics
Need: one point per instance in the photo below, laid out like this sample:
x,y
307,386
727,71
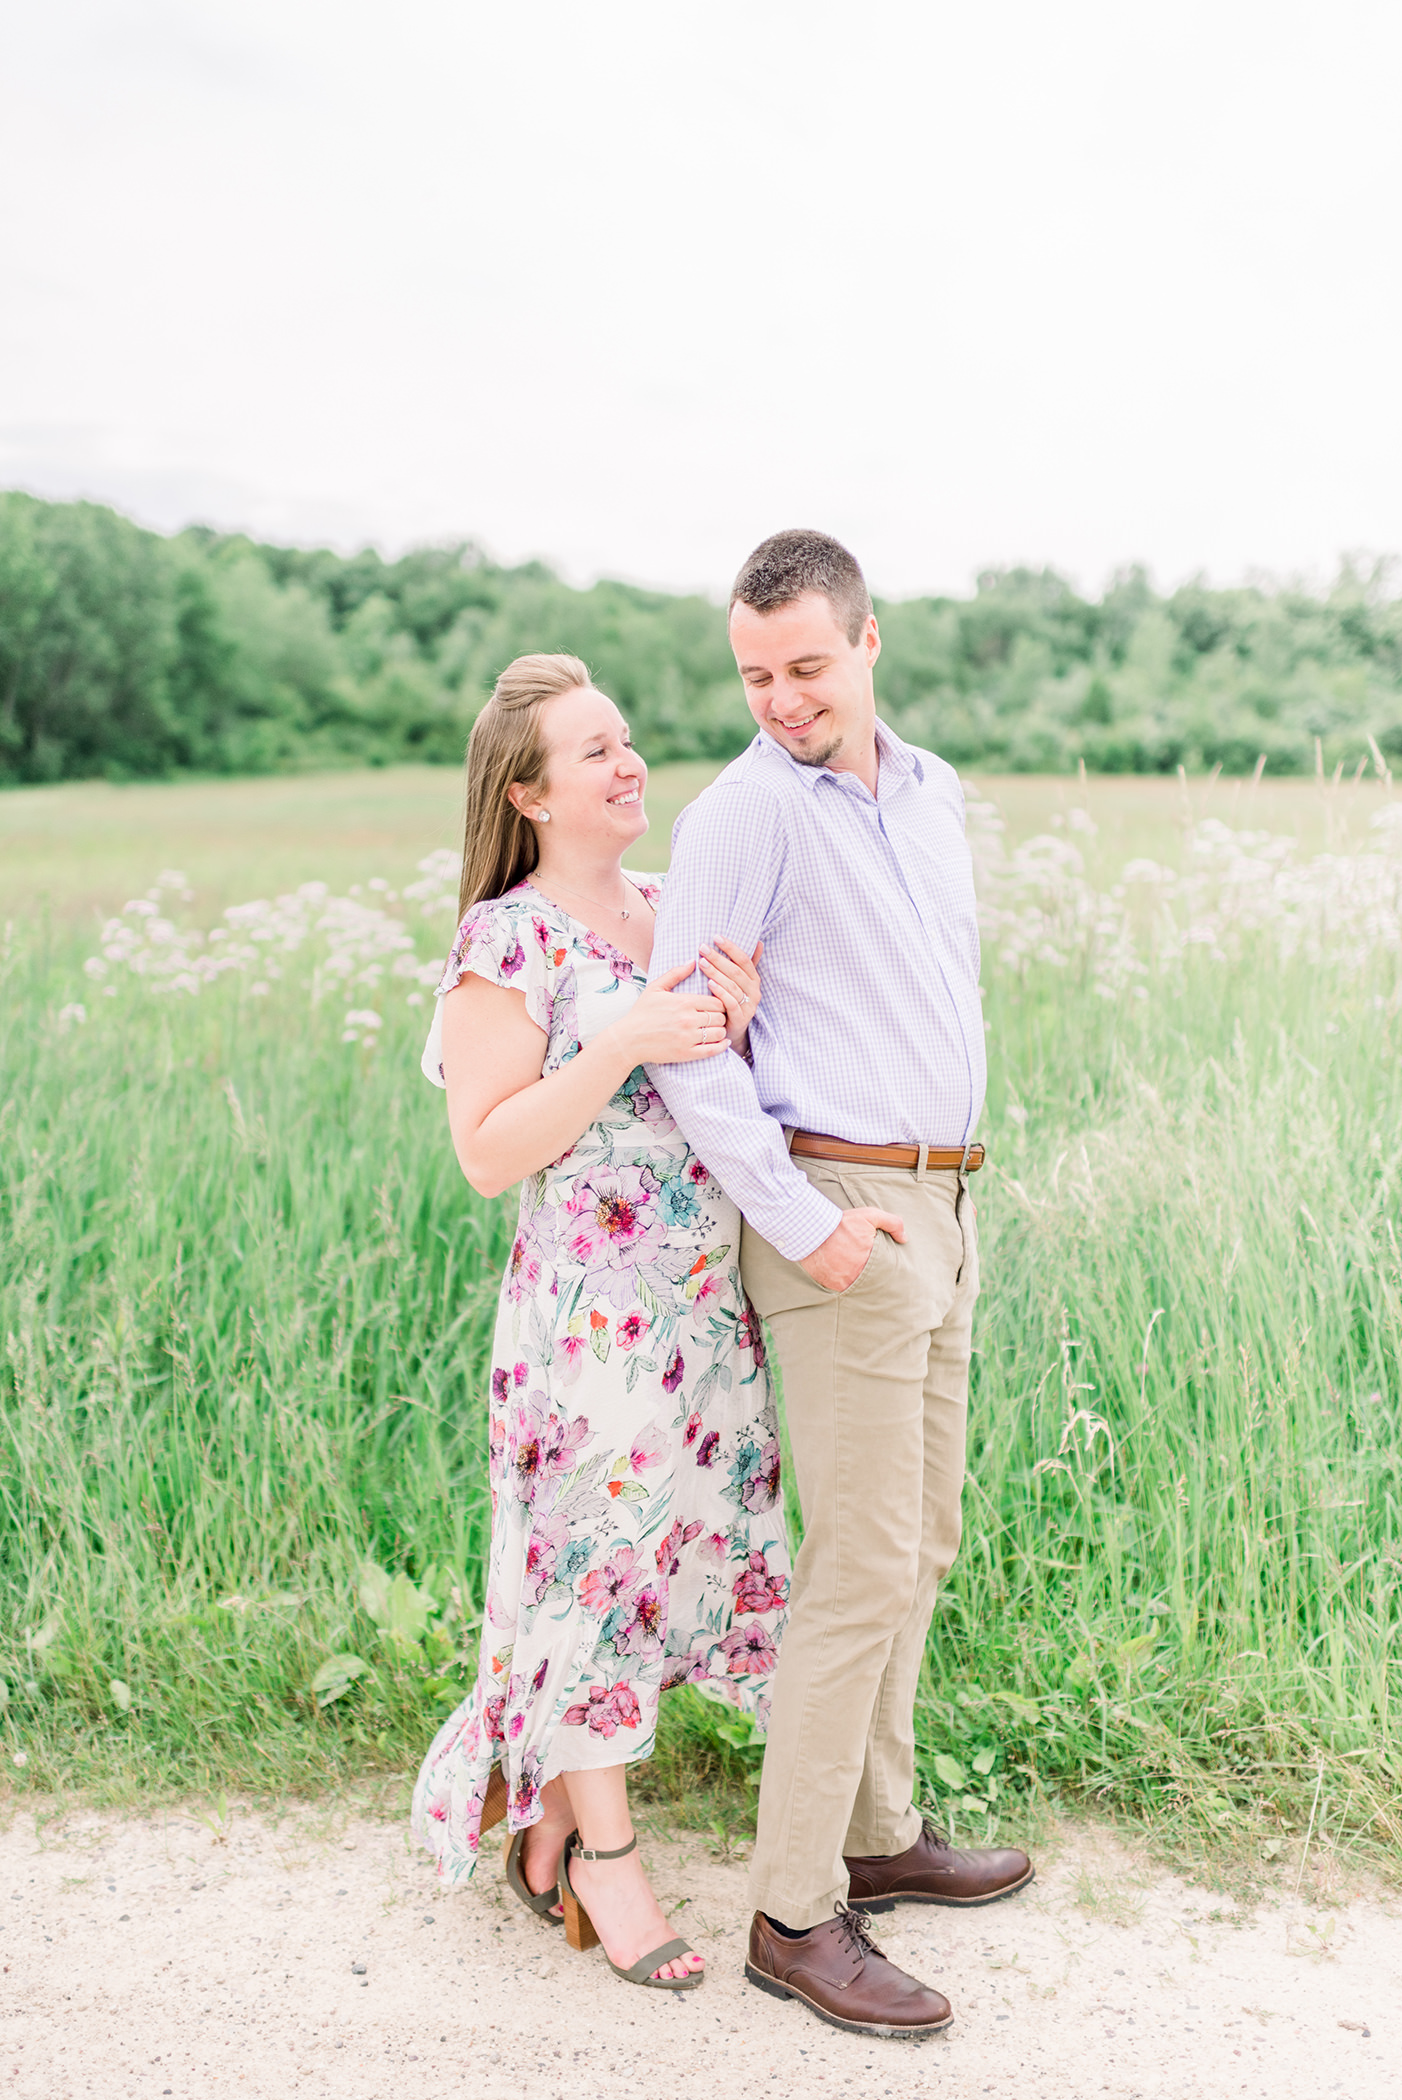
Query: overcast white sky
x,y
630,285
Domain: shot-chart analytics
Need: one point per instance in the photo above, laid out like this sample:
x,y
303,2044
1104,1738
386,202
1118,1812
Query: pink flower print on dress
x,y
649,1107
492,1716
713,1550
523,1269
547,943
631,1331
612,1584
650,1446
749,1650
606,1710
761,1490
527,1459
500,1386
570,1353
544,1446
699,1174
549,1536
515,1715
519,1374
755,1589
595,1710
646,1627
512,959
526,1790
687,1669
624,1701
616,1223
562,1439
668,1560
708,1447
675,1372
749,1334
693,1430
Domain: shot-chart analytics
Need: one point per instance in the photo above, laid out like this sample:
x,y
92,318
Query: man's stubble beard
x,y
824,756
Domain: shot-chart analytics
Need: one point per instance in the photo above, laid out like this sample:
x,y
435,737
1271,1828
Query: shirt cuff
x,y
805,1223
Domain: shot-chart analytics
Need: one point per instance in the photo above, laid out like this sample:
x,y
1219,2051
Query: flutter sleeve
x,y
499,941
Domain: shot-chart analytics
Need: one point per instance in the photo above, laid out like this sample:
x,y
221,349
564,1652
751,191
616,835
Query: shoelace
x,y
935,1835
855,1929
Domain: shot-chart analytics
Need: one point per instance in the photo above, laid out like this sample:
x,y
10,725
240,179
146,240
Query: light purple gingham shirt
x,y
869,1026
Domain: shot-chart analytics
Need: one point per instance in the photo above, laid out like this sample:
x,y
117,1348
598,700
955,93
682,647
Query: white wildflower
x,y
1338,911
323,940
362,1025
437,890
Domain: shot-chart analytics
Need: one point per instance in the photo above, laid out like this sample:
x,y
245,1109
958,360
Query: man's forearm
x,y
719,1114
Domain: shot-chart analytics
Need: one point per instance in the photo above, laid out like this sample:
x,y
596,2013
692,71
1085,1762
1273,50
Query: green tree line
x,y
128,654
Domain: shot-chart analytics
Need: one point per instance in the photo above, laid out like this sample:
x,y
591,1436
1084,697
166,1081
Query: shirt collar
x,y
898,761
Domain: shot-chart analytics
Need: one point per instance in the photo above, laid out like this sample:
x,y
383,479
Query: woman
x,y
637,1534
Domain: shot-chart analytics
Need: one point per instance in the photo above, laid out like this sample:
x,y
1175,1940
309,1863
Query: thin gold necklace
x,y
593,901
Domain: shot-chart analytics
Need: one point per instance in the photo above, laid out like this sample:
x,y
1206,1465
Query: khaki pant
x,y
876,1382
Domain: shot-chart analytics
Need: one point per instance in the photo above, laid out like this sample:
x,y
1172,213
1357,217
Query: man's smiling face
x,y
808,687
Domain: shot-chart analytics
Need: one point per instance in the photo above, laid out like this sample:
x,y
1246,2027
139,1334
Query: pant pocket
x,y
867,1272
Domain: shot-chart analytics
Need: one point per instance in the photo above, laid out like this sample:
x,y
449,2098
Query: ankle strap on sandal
x,y
621,1853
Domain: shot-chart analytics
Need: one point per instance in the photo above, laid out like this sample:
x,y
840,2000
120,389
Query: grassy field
x,y
246,1297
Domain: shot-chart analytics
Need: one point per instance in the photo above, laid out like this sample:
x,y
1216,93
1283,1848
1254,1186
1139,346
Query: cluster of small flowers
x,y
332,944
436,891
1238,889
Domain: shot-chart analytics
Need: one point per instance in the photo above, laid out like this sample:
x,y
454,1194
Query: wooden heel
x,y
494,1806
579,1929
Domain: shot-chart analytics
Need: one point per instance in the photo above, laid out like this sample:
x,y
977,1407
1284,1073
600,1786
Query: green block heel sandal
x,y
494,1812
580,1933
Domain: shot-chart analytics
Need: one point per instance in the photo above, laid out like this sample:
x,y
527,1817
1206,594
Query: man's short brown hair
x,y
787,564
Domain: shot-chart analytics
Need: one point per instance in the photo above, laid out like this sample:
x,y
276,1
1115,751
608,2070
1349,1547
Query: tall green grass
x,y
247,1297
246,1304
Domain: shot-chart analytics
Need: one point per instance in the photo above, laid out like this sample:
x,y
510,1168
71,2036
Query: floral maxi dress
x,y
637,1525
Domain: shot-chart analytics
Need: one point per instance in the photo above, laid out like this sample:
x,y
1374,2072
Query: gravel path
x,y
167,1957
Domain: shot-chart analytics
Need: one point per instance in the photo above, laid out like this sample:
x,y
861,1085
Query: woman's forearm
x,y
536,1125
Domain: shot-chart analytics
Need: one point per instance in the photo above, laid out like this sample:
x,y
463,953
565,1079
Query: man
x,y
846,1142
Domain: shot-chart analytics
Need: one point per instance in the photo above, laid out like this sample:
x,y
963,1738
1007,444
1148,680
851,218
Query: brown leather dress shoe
x,y
840,1973
933,1872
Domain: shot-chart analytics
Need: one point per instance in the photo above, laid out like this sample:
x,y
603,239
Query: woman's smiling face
x,y
594,778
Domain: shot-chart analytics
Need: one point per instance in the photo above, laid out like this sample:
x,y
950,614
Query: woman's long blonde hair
x,y
507,745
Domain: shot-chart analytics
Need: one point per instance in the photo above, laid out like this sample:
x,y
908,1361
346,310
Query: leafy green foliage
x,y
125,654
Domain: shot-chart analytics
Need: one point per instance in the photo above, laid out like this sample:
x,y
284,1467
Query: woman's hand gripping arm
x,y
507,1118
734,978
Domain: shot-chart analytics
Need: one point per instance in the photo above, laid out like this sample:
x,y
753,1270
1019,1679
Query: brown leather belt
x,y
811,1144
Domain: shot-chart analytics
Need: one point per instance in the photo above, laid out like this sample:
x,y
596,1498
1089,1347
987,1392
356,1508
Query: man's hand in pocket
x,y
837,1262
